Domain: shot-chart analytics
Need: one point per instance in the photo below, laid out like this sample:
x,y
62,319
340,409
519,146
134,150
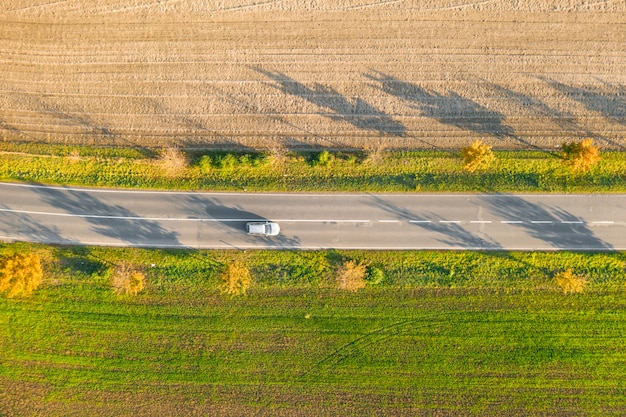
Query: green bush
x,y
375,275
228,162
324,159
205,164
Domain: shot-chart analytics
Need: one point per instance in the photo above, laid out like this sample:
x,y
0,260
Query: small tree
x,y
570,283
278,156
477,155
173,162
127,280
580,156
235,279
375,154
351,276
21,274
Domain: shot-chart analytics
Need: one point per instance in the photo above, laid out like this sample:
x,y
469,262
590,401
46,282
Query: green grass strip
x,y
398,171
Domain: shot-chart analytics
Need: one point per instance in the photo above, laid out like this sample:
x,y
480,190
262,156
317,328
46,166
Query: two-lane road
x,y
308,221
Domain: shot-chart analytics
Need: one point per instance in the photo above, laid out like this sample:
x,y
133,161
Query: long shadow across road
x,y
453,234
113,221
555,226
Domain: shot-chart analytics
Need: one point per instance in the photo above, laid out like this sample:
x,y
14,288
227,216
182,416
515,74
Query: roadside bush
x,y
127,280
228,162
173,162
375,275
21,274
74,156
477,156
375,155
351,276
205,164
324,159
570,283
235,279
278,156
580,156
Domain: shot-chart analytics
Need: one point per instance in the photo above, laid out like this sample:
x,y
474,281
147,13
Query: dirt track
x,y
333,73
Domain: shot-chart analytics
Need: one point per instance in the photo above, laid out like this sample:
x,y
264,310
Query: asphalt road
x,y
308,221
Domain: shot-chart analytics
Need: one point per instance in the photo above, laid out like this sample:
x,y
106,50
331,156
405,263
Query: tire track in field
x,y
372,338
378,4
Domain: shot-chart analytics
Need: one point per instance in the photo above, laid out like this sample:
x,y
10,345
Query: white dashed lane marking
x,y
424,221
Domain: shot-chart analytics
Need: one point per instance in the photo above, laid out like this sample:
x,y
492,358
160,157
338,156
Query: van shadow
x,y
357,112
451,109
233,220
555,226
113,221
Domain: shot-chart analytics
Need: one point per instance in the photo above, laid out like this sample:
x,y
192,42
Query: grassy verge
x,y
513,171
443,333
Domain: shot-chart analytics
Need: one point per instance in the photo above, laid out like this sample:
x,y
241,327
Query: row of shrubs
x,y
580,156
22,273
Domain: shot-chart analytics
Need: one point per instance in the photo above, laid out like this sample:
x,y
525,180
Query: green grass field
x,y
444,333
513,171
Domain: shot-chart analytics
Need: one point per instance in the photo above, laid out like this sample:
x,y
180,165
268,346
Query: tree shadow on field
x,y
188,127
565,122
87,127
609,101
456,236
232,219
553,225
113,221
451,109
357,111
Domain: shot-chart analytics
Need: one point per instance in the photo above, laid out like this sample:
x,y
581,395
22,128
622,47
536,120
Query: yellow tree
x,y
235,279
569,282
21,274
477,155
127,280
580,155
351,276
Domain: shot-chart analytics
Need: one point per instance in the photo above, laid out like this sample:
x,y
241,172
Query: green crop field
x,y
435,337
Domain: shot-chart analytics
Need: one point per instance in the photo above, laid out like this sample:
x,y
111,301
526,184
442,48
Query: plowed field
x,y
332,73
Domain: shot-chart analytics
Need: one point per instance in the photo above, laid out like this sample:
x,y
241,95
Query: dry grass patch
x,y
74,156
278,156
570,283
127,280
235,279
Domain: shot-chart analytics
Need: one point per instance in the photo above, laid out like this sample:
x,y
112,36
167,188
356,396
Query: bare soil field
x,y
325,73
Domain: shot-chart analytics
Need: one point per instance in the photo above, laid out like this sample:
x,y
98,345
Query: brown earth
x,y
331,73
